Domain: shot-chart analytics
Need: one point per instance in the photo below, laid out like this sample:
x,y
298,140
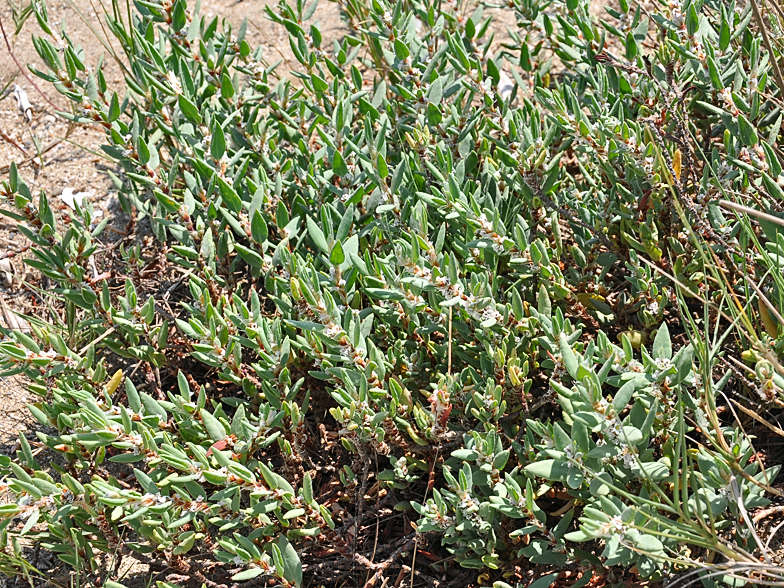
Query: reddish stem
x,y
21,69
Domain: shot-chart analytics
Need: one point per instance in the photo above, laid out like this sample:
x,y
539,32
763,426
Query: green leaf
x,y
189,109
549,469
713,71
248,574
631,46
217,142
319,83
227,87
543,302
649,544
114,109
151,406
772,159
623,396
384,294
381,166
465,454
434,115
307,488
692,20
567,354
134,400
31,522
317,235
345,223
229,195
662,346
292,566
748,134
436,92
575,478
724,33
397,176
336,257
249,255
143,150
274,480
339,165
258,228
215,428
401,50
683,362
178,18
544,581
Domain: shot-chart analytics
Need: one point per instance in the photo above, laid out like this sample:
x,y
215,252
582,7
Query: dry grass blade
x,y
733,570
751,211
738,495
766,40
764,299
774,428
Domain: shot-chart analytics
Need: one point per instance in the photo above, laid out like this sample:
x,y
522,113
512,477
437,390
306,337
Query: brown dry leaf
x,y
677,162
14,322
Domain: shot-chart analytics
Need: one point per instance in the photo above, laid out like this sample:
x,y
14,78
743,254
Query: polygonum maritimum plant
x,y
423,271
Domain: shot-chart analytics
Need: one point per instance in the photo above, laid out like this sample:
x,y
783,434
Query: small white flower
x,y
615,526
614,431
332,330
490,313
174,83
627,456
727,491
573,455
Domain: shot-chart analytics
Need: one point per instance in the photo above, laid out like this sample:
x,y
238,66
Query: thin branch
x,y
21,69
764,299
11,141
751,211
571,217
766,512
407,541
5,169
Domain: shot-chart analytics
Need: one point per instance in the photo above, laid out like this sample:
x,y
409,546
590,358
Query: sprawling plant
x,y
393,277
